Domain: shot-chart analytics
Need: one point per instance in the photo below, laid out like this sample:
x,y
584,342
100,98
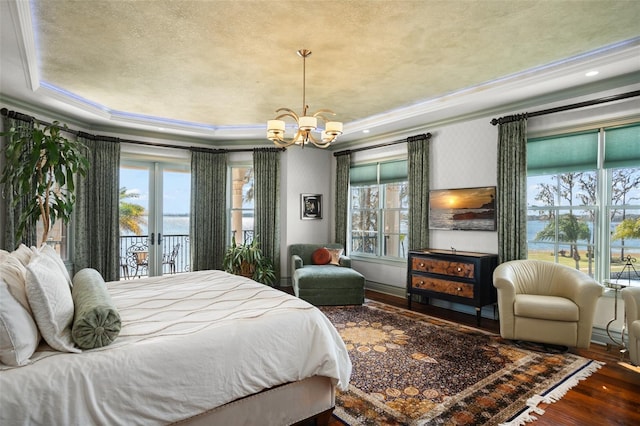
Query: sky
x,y
176,189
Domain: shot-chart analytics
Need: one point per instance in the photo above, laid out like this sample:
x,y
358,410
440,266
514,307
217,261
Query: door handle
x,y
159,238
152,242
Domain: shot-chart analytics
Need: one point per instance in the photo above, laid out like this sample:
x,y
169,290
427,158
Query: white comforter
x,y
188,343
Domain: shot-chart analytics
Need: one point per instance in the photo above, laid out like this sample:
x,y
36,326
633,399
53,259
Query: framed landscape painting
x,y
468,209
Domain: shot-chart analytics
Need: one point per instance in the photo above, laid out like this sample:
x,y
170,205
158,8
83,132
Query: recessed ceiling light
x,y
591,73
365,131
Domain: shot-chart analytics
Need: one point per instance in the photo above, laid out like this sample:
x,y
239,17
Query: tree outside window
x,y
585,217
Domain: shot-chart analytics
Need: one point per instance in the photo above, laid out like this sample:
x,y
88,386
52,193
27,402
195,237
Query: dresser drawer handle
x,y
421,265
459,269
459,288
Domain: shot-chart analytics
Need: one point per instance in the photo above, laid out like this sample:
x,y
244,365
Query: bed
x,y
203,347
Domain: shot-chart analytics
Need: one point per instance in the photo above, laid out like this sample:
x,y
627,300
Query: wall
x,y
304,171
461,155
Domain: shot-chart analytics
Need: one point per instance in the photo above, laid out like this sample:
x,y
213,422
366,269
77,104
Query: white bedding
x,y
188,343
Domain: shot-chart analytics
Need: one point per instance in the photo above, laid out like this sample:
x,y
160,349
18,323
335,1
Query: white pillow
x,y
23,254
50,298
51,253
19,335
12,272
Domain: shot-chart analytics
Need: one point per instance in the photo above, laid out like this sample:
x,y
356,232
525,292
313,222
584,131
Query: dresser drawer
x,y
442,286
443,267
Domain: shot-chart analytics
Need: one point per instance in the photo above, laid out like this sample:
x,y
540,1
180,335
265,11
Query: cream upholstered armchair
x,y
631,297
546,302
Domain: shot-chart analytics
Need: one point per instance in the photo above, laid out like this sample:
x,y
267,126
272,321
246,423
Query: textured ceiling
x,y
232,63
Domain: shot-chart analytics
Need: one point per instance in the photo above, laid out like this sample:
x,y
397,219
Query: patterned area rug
x,y
412,369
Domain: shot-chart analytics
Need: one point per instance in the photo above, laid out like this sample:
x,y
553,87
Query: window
x,y
583,199
57,237
379,209
241,203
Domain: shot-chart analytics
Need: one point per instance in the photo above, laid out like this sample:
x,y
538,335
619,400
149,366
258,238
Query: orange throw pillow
x,y
321,256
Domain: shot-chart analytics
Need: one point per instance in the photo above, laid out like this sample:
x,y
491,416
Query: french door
x,y
154,217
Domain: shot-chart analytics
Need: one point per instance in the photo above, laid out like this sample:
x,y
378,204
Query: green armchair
x,y
326,284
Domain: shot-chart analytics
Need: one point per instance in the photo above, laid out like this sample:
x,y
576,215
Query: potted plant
x,y
40,166
247,260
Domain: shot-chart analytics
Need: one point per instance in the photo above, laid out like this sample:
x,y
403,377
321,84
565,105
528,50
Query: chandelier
x,y
307,124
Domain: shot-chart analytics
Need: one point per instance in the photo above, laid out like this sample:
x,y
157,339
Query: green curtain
x,y
208,229
418,155
12,213
266,169
512,190
343,164
96,239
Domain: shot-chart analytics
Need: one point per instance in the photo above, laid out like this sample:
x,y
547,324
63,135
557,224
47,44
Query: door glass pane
x,y
175,221
134,220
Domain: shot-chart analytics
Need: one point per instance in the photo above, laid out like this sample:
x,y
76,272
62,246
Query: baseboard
x,y
284,282
599,335
391,290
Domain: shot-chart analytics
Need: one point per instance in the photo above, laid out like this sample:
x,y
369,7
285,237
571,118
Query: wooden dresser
x,y
457,276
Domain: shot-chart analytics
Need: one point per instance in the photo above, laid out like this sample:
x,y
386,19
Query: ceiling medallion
x,y
306,123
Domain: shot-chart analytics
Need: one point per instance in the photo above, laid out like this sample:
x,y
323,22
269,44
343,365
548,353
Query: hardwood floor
x,y
611,396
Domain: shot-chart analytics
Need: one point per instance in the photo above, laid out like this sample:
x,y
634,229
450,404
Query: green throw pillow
x,y
96,321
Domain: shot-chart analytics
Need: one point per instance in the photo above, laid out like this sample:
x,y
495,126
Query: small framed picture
x,y
310,206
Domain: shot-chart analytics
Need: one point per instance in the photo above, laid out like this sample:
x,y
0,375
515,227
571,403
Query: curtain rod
x,y
382,145
24,117
515,117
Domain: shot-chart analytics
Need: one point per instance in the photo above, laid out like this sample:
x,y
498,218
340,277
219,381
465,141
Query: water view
x,y
455,219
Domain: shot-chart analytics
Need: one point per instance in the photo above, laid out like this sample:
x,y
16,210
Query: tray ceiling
x,y
220,69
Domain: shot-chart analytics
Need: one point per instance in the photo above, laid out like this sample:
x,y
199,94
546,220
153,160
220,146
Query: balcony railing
x,y
134,252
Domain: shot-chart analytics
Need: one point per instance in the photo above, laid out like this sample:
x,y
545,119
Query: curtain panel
x,y
343,164
266,169
10,240
418,155
512,191
97,210
208,221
